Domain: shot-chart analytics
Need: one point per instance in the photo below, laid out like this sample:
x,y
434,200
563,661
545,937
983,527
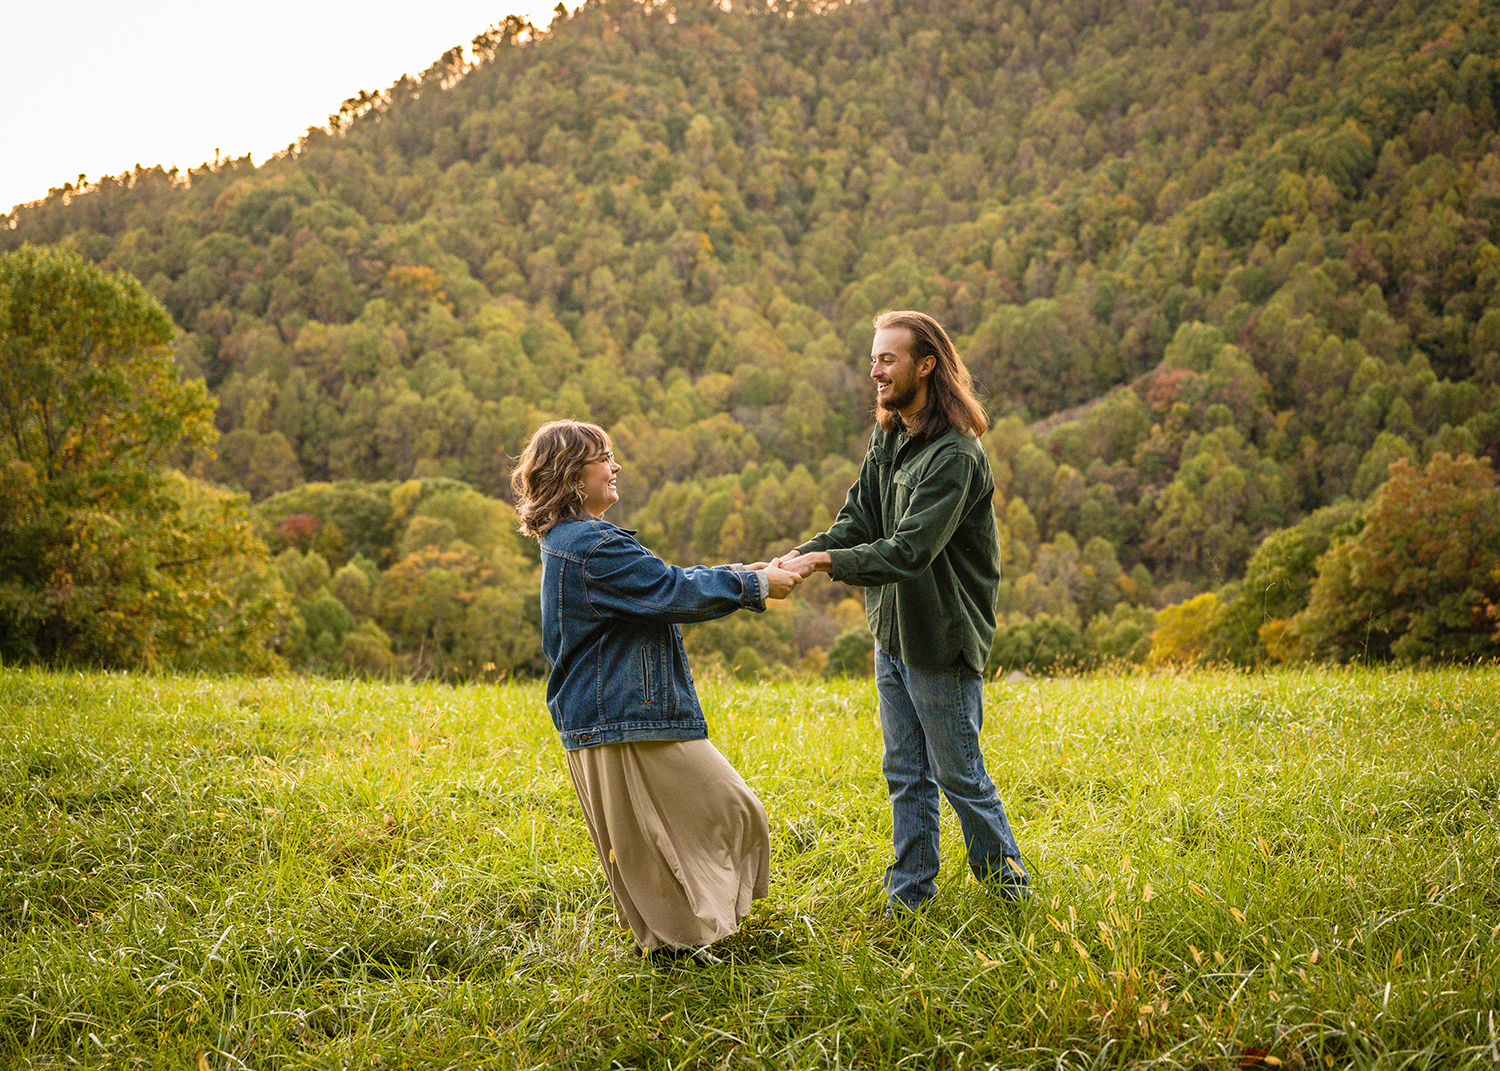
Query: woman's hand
x,y
781,582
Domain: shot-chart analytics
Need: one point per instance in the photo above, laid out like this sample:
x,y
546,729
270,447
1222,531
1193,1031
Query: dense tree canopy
x,y
1217,266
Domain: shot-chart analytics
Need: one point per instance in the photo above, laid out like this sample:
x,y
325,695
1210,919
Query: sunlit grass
x,y
1231,871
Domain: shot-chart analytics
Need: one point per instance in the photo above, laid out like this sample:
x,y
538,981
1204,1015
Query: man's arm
x,y
933,512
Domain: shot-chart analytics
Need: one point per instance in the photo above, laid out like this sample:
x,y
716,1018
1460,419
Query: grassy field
x,y
1297,870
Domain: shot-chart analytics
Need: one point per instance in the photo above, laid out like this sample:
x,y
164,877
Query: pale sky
x,y
95,88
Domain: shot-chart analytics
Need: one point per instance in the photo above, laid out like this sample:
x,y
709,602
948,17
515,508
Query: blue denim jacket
x,y
610,610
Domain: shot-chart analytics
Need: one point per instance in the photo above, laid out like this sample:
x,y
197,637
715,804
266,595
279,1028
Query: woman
x,y
684,842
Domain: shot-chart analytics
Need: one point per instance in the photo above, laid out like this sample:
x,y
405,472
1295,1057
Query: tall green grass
x,y
1297,870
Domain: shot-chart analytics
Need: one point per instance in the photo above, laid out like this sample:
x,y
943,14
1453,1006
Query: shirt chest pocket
x,y
903,485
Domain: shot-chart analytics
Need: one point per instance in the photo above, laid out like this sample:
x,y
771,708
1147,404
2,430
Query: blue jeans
x,y
930,720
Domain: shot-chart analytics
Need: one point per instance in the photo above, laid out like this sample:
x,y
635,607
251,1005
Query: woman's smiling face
x,y
598,480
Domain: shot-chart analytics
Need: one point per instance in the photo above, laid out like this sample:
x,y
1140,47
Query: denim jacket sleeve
x,y
929,505
624,579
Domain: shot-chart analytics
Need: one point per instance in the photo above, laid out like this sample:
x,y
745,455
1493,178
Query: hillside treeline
x,y
1217,266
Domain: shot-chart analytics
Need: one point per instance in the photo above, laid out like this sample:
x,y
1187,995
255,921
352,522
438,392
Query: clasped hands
x,y
788,570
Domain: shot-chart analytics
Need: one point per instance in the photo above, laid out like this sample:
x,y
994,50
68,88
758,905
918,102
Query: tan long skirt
x,y
683,840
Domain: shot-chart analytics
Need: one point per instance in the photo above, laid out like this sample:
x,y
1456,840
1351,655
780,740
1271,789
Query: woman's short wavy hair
x,y
546,480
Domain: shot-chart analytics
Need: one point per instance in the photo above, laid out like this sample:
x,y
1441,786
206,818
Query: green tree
x,y
1122,635
424,601
1044,645
1277,584
106,557
1415,583
852,654
1182,631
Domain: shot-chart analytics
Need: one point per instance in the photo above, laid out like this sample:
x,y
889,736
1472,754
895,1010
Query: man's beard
x,y
897,399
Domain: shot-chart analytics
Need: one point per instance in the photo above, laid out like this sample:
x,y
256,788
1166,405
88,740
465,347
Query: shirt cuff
x,y
842,561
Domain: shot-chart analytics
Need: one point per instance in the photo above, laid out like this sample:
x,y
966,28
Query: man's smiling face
x,y
900,382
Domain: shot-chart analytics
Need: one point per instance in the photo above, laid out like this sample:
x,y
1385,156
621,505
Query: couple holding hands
x,y
684,842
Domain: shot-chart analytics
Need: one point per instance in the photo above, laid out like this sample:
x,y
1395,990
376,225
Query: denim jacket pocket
x,y
648,677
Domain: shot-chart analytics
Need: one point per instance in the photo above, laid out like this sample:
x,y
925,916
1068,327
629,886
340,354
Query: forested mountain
x,y
1216,264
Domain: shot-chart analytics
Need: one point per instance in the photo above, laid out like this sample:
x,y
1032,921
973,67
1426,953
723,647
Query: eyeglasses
x,y
608,455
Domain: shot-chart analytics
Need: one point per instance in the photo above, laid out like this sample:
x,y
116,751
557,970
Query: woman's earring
x,y
580,492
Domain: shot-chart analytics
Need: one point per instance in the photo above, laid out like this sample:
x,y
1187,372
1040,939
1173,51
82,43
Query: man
x,y
918,529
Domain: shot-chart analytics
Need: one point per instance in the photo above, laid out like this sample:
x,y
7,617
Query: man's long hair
x,y
950,388
546,479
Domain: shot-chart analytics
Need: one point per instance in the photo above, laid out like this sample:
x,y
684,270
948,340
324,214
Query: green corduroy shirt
x,y
918,530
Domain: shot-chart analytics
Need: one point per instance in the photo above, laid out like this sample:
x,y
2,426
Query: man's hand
x,y
804,565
